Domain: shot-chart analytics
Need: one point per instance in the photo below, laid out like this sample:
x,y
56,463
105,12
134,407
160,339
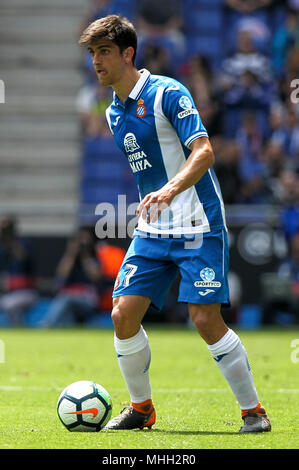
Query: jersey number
x,y
132,270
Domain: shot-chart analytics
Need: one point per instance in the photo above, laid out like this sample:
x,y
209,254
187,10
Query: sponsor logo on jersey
x,y
185,102
138,160
207,275
186,113
141,109
130,142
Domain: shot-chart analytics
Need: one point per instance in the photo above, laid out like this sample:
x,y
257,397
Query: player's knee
x,y
122,319
118,315
202,321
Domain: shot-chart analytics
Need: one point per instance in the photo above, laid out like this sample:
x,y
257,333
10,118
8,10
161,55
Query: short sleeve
x,y
179,107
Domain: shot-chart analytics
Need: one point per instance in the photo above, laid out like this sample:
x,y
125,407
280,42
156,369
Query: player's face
x,y
108,62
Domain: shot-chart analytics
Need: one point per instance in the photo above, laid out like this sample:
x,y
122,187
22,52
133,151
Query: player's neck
x,y
124,87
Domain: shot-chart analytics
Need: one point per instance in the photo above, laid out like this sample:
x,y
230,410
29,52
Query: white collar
x,y
138,88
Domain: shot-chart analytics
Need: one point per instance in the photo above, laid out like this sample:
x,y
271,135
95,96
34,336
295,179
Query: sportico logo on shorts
x,y
207,275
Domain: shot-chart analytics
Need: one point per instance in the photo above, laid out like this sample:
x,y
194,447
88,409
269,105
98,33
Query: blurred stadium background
x,y
240,59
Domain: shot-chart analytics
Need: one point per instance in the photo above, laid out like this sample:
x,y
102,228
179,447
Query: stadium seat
x,y
37,312
208,47
95,194
101,320
203,28
204,20
124,7
103,170
104,147
4,320
250,316
193,4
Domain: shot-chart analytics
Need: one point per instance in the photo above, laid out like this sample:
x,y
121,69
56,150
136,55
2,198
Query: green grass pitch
x,y
195,407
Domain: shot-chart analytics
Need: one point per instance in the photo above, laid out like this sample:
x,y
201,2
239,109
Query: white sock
x,y
134,357
231,358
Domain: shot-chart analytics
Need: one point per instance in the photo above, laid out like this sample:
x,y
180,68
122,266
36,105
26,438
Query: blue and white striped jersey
x,y
154,128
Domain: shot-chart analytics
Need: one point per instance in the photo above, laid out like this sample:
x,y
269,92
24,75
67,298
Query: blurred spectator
x,y
248,95
157,60
156,17
289,187
247,6
289,215
97,9
246,59
78,280
284,39
159,24
227,168
274,158
253,17
250,139
245,84
110,258
292,135
197,75
294,4
17,269
231,313
288,275
91,104
284,124
293,63
252,167
277,117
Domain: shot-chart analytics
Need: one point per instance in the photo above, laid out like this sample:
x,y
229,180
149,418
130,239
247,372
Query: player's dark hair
x,y
115,28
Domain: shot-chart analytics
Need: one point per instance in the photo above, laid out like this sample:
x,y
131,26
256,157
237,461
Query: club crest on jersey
x,y
141,109
130,142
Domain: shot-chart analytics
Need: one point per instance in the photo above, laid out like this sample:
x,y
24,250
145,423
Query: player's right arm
x,y
179,108
198,162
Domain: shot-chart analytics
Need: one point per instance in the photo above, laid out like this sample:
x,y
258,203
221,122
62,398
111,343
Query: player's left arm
x,y
199,161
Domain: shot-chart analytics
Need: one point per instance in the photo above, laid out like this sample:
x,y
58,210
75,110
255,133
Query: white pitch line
x,y
20,388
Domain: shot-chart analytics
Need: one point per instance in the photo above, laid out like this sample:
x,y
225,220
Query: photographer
x,y
17,272
77,283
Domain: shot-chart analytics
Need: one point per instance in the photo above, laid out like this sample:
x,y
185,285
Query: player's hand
x,y
153,204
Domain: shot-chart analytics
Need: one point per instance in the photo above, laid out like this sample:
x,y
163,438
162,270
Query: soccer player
x,y
181,224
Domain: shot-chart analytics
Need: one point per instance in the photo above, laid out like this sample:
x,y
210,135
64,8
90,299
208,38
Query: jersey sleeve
x,y
179,107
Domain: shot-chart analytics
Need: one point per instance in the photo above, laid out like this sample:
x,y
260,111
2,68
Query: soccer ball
x,y
84,406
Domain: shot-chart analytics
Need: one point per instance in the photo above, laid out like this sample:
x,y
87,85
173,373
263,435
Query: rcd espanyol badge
x,y
141,109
